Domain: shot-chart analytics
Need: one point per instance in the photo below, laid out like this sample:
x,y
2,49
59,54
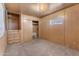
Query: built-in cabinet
x,y
65,31
35,33
13,28
27,30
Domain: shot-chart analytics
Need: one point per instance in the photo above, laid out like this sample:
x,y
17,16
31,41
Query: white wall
x,y
3,40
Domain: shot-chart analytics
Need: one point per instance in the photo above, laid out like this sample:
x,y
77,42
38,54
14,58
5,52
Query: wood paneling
x,y
13,25
32,8
14,36
54,32
13,21
26,27
35,28
72,27
66,33
27,30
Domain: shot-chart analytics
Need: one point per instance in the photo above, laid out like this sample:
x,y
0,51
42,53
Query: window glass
x,y
2,17
56,20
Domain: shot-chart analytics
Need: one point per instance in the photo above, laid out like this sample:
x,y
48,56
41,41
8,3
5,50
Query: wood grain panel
x,y
26,27
57,30
54,33
13,21
27,30
14,36
43,29
66,33
72,27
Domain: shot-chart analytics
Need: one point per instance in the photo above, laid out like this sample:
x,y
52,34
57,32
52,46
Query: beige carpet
x,y
39,47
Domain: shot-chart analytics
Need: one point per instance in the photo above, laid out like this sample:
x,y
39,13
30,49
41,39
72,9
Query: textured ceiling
x,y
34,9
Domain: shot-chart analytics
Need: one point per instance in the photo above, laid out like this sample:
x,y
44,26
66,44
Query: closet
x,y
29,28
26,31
35,33
13,28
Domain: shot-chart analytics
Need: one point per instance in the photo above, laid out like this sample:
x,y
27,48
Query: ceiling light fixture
x,y
41,7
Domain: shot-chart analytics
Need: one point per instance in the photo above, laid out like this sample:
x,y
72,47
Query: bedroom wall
x,y
67,32
52,32
3,37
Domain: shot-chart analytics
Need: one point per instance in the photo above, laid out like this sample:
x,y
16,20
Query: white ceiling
x,y
33,9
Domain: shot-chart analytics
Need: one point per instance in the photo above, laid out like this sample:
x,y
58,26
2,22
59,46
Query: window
x,y
2,18
56,20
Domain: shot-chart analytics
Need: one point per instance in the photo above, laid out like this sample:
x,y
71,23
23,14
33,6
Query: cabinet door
x,y
72,27
27,30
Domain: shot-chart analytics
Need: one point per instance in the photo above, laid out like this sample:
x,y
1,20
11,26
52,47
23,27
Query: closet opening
x,y
13,27
35,33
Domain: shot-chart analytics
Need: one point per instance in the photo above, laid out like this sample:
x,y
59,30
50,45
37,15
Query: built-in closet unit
x,y
27,27
14,27
35,33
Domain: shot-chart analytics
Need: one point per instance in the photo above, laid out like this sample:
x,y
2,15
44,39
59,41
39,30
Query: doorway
x,y
35,33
